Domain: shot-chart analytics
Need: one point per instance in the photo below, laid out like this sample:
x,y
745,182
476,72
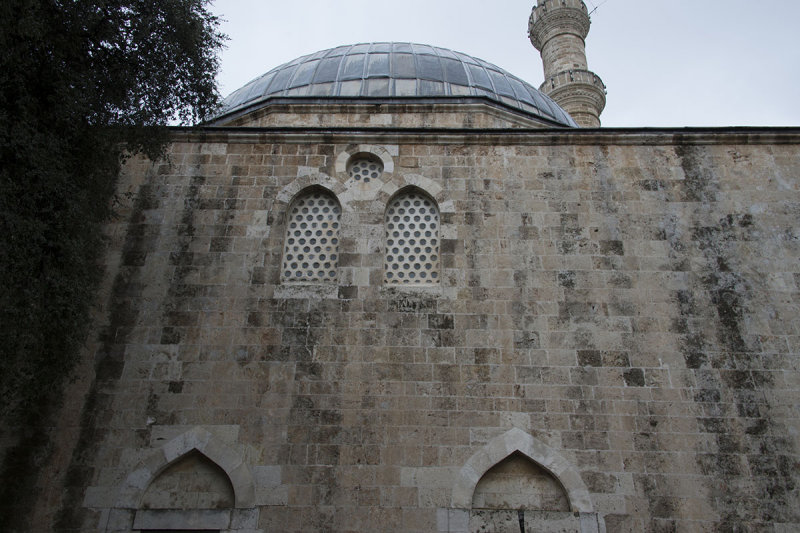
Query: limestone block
x,y
119,520
458,521
267,476
192,519
244,519
99,498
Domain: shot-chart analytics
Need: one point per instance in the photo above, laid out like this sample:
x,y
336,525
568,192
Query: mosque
x,y
393,287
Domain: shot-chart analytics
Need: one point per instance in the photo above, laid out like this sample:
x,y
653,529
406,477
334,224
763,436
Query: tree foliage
x,y
83,84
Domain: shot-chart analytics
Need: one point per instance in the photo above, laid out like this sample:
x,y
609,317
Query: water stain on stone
x,y
109,365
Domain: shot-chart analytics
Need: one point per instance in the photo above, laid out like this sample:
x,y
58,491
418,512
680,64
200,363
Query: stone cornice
x,y
532,137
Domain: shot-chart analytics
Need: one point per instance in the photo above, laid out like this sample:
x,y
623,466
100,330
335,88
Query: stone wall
x,y
619,308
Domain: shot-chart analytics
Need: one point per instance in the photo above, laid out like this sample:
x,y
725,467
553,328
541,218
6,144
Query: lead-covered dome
x,y
395,70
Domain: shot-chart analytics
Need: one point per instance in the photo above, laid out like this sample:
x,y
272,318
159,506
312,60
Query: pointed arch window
x,y
412,239
311,246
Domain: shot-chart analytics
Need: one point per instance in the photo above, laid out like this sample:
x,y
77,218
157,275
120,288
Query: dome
x,y
395,70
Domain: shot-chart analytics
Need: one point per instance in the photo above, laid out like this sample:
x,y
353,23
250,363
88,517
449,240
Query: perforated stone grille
x,y
366,169
412,241
312,239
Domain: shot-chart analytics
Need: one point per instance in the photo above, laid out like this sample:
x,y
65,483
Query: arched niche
x,y
516,441
197,440
193,481
518,483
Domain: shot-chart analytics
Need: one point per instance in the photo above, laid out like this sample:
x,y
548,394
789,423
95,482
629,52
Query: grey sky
x,y
666,63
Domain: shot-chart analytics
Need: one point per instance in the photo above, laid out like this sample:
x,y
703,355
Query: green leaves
x,y
82,85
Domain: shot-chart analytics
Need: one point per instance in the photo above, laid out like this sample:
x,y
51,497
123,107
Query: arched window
x,y
311,249
412,240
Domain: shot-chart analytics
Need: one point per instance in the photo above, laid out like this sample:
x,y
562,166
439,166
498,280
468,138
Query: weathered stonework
x,y
617,307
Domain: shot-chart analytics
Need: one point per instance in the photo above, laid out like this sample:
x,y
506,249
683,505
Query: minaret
x,y
557,29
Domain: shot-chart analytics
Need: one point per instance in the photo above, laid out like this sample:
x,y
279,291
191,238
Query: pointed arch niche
x,y
516,482
193,482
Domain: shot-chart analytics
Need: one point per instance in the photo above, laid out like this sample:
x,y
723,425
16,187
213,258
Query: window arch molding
x,y
379,152
312,178
426,185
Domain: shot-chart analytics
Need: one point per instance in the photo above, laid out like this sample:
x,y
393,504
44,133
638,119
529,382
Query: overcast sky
x,y
665,63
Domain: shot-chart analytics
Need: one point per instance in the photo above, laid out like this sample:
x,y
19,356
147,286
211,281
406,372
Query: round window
x,y
365,167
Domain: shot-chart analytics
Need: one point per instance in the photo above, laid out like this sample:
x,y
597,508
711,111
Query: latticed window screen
x,y
311,252
365,169
412,240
